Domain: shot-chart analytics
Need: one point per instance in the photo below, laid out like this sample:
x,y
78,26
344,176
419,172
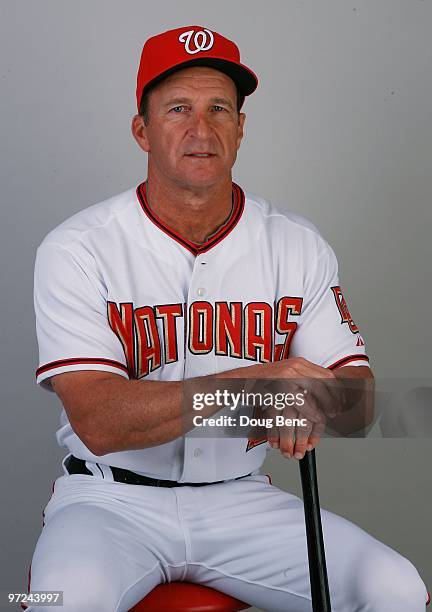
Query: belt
x,y
78,466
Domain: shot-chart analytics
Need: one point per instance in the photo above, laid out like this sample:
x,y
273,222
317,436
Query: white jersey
x,y
116,290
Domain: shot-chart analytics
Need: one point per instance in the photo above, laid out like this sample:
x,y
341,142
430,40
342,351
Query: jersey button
x,y
197,452
201,291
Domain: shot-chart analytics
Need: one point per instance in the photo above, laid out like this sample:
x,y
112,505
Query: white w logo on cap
x,y
203,40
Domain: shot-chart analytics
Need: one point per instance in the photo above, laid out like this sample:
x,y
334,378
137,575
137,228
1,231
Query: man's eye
x,y
177,109
218,108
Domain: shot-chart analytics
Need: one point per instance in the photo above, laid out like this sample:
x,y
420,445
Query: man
x,y
189,278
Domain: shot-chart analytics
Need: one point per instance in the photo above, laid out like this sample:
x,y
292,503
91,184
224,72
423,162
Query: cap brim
x,y
242,76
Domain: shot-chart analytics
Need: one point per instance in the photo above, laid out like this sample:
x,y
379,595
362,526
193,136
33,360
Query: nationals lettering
x,y
150,335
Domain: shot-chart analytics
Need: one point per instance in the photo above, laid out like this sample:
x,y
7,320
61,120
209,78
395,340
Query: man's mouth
x,y
198,154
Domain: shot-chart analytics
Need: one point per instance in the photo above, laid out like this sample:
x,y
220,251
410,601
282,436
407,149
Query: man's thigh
x,y
249,539
106,545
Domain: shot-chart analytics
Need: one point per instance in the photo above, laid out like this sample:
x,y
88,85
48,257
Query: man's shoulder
x,y
92,220
276,218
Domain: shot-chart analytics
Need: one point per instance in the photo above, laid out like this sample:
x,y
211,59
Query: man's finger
x,y
302,438
287,433
317,432
273,435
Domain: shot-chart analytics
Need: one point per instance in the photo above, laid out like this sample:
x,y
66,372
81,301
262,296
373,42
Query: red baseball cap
x,y
165,53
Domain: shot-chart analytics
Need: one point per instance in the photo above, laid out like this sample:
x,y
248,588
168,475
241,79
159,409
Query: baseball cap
x,y
165,53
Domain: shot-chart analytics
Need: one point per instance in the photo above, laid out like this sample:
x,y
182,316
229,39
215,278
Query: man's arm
x,y
110,413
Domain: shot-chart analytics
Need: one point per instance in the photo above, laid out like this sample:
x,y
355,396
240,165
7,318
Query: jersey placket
x,y
199,295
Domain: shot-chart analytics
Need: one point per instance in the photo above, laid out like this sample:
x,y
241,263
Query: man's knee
x,y
390,582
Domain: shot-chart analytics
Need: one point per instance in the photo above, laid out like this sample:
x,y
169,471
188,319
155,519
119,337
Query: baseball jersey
x,y
117,290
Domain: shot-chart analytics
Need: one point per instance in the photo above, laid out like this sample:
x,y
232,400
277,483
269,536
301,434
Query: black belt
x,y
78,466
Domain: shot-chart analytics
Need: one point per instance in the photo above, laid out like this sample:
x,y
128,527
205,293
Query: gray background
x,y
339,131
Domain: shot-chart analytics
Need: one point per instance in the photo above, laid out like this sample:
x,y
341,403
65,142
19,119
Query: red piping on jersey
x,y
428,599
346,360
193,247
78,361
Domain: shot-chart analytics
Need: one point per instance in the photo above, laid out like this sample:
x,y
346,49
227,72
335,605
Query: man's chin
x,y
203,180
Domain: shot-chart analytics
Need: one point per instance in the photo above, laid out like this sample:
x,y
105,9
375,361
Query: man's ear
x,y
139,132
241,121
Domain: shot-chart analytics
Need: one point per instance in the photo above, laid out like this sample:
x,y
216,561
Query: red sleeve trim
x,y
346,360
428,599
79,361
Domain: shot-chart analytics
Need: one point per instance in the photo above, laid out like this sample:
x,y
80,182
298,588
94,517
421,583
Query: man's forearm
x,y
132,414
358,411
113,414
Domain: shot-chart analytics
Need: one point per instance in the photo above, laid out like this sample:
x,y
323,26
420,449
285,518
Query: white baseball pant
x,y
107,544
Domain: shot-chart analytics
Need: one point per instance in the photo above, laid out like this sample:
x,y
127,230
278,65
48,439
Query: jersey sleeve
x,y
71,316
326,333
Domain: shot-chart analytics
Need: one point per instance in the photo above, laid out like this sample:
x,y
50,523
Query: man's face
x,y
194,129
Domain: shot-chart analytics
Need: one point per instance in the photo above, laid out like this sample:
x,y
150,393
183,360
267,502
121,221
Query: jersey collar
x,y
195,248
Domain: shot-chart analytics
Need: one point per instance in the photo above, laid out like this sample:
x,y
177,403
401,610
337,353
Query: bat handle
x,y
315,543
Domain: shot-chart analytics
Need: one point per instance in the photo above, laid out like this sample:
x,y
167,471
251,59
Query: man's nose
x,y
200,125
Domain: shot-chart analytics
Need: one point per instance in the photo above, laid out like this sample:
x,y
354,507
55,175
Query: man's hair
x,y
144,105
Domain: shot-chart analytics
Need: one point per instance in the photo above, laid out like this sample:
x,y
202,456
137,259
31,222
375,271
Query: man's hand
x,y
323,395
297,435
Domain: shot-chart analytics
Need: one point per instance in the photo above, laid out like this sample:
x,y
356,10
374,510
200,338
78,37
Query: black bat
x,y
315,542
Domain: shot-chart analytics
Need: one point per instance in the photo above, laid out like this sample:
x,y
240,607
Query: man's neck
x,y
194,214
